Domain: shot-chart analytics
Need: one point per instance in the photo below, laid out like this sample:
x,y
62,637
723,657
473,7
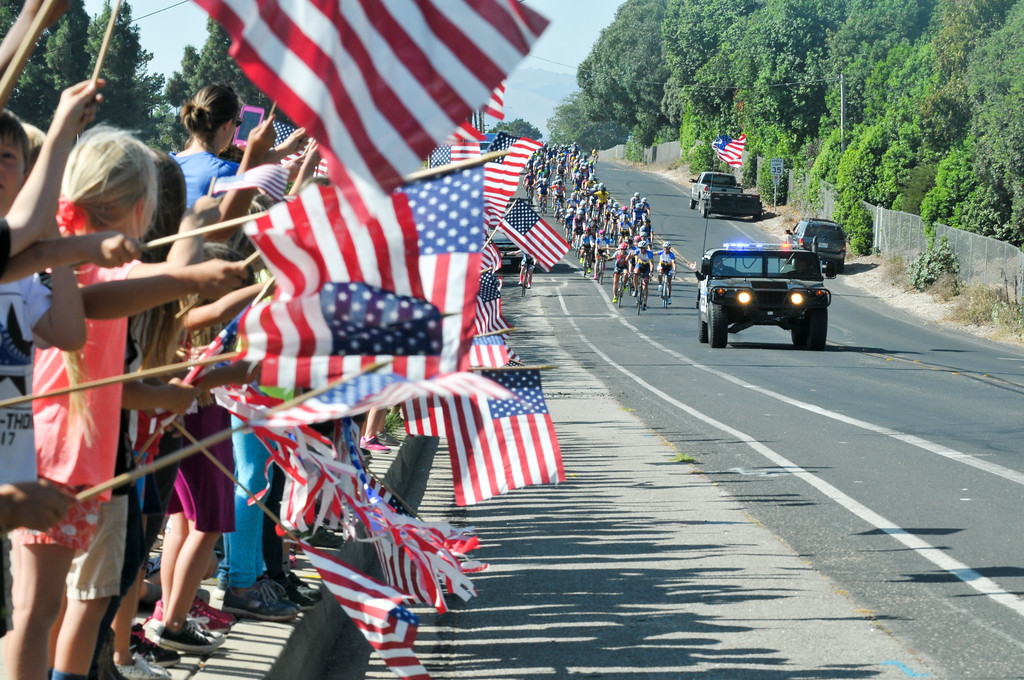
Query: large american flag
x,y
307,341
488,306
526,229
497,446
376,610
730,150
378,83
448,215
350,232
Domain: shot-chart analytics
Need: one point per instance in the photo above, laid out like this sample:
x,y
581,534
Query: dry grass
x,y
894,272
946,288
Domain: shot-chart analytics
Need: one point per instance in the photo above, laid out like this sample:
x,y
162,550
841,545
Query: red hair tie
x,y
70,218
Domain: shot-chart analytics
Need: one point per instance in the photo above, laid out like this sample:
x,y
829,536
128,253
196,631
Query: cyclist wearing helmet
x,y
601,246
602,196
634,200
642,257
666,268
622,257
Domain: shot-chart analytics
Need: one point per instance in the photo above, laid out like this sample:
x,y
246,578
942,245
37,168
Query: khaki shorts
x,y
97,573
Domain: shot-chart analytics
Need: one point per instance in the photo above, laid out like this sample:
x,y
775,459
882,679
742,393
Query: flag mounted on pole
x,y
378,84
730,150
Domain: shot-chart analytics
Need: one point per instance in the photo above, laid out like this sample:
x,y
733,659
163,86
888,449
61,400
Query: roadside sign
x,y
777,167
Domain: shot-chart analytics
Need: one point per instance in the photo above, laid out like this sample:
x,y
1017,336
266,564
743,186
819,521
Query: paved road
x,y
891,461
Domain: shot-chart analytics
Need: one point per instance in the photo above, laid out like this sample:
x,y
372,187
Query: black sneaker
x,y
150,651
301,593
265,601
191,638
386,439
322,538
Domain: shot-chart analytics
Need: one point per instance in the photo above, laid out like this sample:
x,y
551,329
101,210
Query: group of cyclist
x,y
598,227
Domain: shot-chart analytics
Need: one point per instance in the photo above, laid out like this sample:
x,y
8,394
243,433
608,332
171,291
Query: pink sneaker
x,y
211,617
158,611
371,444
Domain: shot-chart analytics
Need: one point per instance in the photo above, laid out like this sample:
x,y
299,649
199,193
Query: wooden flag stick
x,y
127,377
487,335
452,167
212,229
17,65
106,40
273,107
216,438
547,367
220,466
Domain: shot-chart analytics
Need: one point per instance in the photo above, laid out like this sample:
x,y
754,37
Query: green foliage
x,y
574,120
626,71
702,157
932,264
954,182
518,128
856,221
634,149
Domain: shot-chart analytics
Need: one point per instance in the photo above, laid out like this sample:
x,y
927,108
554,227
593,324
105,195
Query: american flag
x,y
378,84
459,151
488,306
527,230
283,131
271,179
376,610
423,417
491,257
381,390
350,232
495,107
497,446
501,177
448,213
730,150
308,341
489,351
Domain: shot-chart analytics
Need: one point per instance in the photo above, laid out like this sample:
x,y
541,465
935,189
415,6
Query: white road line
x,y
982,584
919,442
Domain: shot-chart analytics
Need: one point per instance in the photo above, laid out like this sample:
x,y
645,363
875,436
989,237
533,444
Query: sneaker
x,y
264,601
386,439
297,592
659,287
209,616
372,444
142,670
158,611
595,277
191,638
645,308
150,651
669,301
614,300
322,538
527,285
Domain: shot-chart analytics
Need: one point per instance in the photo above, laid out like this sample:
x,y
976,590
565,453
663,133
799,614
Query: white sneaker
x,y
142,670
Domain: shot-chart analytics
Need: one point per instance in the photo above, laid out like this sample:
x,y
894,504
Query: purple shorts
x,y
201,491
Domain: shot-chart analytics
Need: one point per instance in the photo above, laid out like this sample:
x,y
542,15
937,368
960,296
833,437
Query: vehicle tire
x,y
718,326
799,332
702,329
840,266
703,209
693,204
817,329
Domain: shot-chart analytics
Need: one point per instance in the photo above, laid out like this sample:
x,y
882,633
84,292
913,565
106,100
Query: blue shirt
x,y
200,169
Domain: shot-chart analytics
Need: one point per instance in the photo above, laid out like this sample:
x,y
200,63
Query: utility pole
x,y
842,112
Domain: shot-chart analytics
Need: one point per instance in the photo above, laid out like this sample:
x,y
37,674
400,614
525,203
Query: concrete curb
x,y
300,649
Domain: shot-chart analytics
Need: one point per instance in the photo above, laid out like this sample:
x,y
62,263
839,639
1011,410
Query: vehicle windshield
x,y
745,264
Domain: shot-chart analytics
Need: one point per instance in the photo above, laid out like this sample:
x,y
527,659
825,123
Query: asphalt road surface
x,y
892,461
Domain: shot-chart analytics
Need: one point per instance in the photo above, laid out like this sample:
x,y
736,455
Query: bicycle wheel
x,y
619,297
639,304
600,273
522,286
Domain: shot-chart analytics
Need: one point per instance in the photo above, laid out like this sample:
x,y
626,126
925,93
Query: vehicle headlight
x,y
744,297
797,298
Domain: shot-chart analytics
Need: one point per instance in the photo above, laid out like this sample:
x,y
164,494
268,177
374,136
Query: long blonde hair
x,y
108,175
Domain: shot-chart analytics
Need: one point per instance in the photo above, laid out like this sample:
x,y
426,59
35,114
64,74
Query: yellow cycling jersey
x,y
602,196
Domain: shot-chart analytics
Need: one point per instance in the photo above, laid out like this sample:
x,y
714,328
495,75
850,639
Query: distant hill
x,y
532,94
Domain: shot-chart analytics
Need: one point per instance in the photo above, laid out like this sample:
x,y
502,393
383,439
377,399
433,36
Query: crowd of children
x,y
83,300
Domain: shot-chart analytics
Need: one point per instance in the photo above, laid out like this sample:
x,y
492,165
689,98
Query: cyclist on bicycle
x,y
666,269
622,257
542,193
642,258
601,246
587,251
634,200
602,196
526,268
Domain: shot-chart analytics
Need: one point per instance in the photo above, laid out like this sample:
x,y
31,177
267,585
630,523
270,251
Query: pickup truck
x,y
718,193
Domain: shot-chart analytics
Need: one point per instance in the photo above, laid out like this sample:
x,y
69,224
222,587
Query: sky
x,y
167,26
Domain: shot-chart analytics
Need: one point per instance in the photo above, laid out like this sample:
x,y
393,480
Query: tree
x,y
132,97
573,122
626,70
518,128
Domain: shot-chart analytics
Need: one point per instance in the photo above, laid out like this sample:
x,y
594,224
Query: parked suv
x,y
824,237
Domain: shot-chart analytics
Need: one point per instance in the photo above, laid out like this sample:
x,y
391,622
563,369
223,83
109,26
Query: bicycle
x,y
544,203
600,266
